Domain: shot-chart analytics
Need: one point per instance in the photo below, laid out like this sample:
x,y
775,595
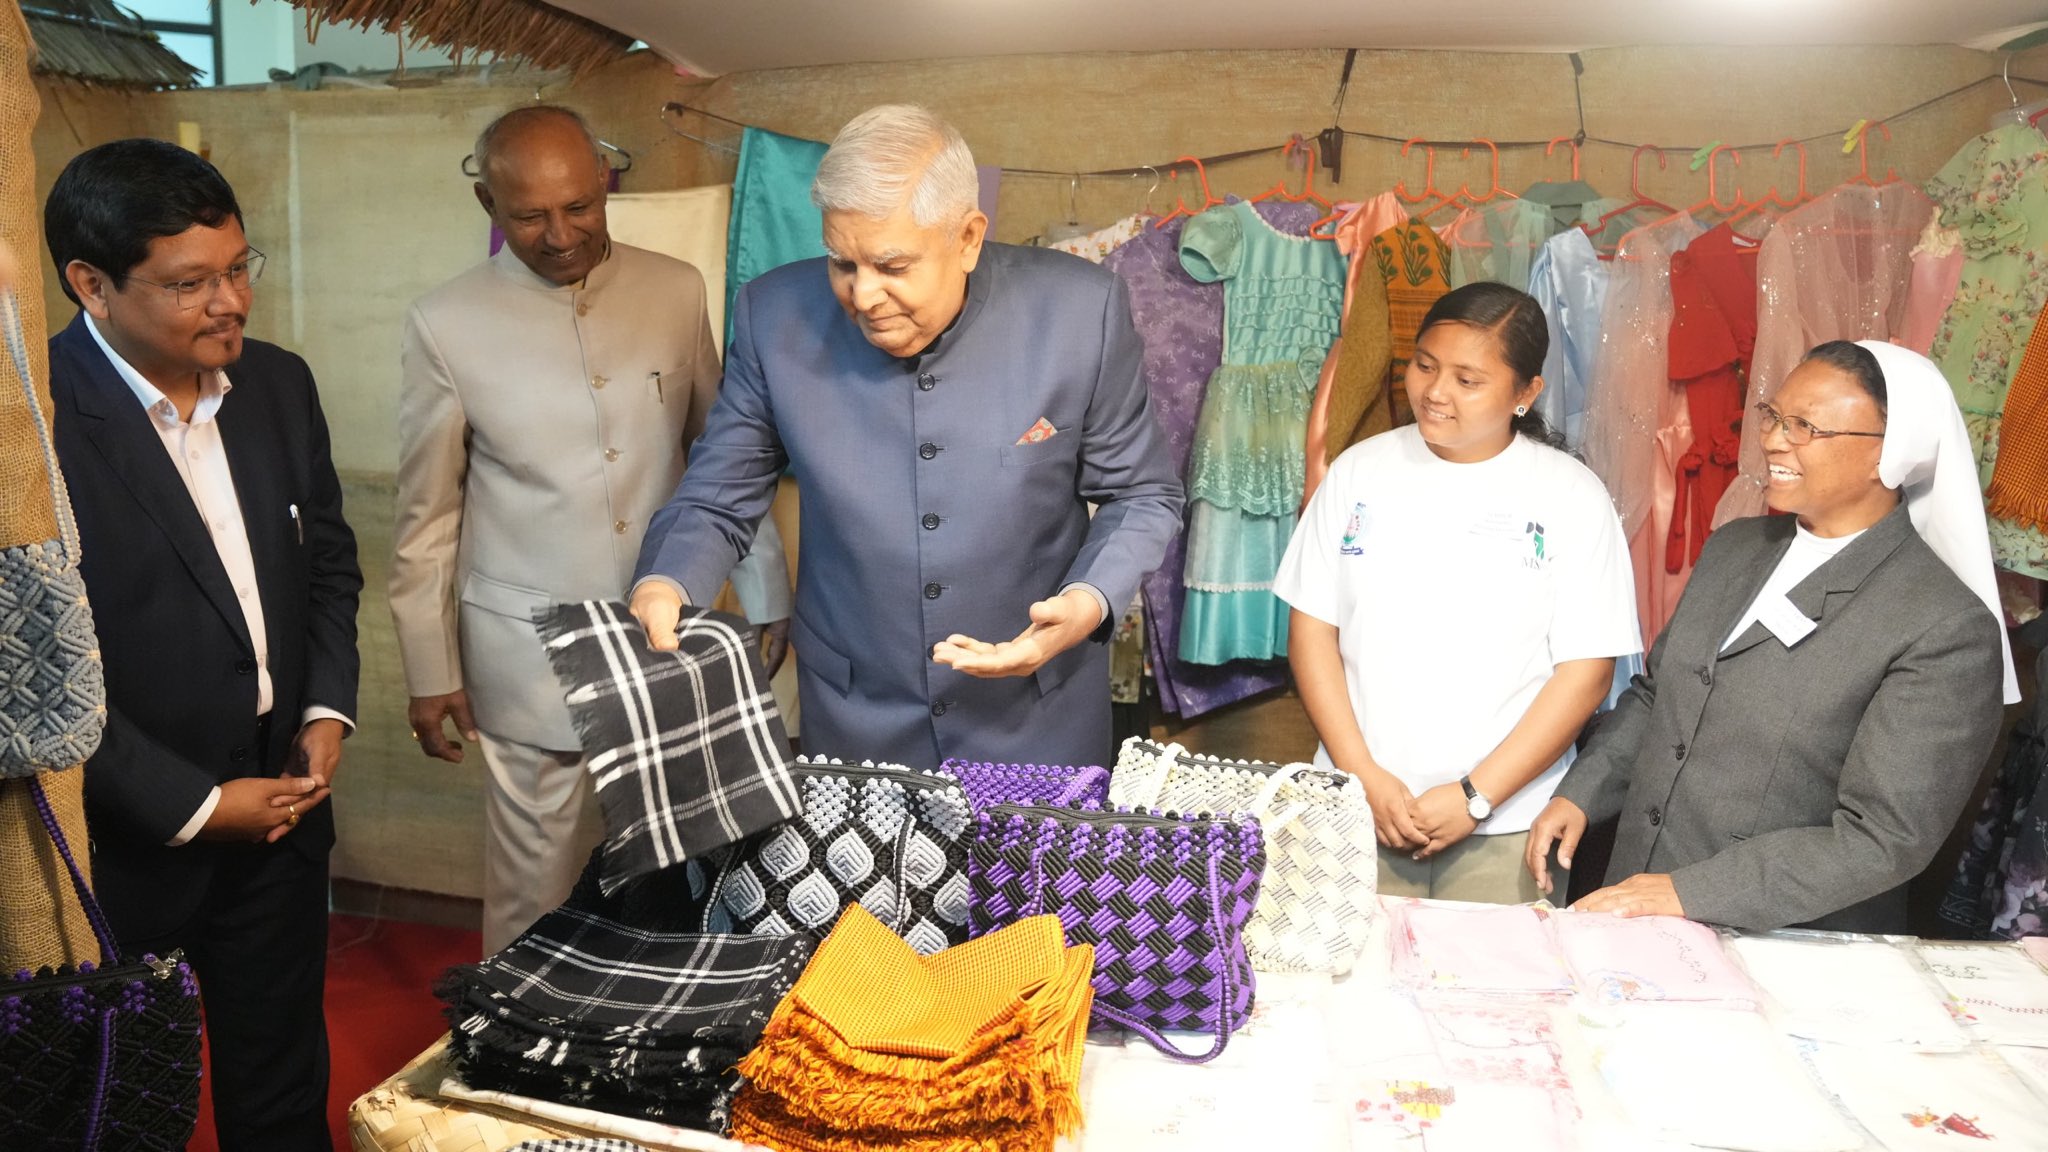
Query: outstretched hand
x,y
1056,625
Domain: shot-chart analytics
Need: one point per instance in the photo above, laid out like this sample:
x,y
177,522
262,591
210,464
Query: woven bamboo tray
x,y
403,1115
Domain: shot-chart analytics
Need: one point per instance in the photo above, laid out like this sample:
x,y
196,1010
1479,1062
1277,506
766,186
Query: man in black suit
x,y
223,583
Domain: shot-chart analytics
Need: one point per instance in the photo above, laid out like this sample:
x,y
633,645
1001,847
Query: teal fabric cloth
x,y
1283,301
773,220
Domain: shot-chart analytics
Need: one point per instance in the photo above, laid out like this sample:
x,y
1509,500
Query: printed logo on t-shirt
x,y
1353,529
1535,532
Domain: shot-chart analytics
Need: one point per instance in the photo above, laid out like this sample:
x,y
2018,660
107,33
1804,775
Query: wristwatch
x,y
1479,806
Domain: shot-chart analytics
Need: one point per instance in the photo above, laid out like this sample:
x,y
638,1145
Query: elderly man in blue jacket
x,y
950,408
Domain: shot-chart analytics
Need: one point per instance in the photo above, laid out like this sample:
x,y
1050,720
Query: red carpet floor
x,y
380,1009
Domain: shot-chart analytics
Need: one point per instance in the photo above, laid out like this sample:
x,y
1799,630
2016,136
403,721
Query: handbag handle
x,y
1159,764
17,348
1079,785
108,953
1167,1047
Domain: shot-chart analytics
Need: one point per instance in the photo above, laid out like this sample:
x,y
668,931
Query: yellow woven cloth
x,y
2019,477
976,1047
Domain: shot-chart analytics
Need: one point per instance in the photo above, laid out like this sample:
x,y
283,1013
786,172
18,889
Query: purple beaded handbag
x,y
987,785
98,1059
1163,898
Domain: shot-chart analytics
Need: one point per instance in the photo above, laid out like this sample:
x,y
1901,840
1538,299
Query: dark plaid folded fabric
x,y
584,1010
686,748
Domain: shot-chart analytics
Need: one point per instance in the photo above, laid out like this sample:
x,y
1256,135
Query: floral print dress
x,y
1994,194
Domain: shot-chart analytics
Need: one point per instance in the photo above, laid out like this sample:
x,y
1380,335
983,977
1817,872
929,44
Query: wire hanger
x,y
1180,206
620,160
714,145
1145,205
1862,175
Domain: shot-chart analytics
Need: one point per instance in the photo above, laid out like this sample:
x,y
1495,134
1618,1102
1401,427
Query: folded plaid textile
x,y
584,1010
686,748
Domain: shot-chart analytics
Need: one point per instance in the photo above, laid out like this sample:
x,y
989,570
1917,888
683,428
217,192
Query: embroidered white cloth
x,y
1923,1101
1618,958
1716,1077
1484,948
1422,1116
1850,992
2001,993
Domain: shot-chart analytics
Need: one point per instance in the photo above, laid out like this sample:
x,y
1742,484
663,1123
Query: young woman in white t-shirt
x,y
1461,589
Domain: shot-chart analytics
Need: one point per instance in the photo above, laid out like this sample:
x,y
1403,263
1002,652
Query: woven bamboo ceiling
x,y
743,35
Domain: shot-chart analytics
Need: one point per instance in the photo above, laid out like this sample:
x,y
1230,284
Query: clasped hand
x,y
1423,825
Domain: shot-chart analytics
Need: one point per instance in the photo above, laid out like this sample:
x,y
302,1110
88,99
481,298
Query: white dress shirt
x,y
202,462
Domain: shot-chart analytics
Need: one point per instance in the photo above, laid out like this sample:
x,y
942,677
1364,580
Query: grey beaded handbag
x,y
53,695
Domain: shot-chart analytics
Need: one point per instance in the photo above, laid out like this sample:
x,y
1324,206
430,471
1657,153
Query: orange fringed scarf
x,y
977,1047
2019,477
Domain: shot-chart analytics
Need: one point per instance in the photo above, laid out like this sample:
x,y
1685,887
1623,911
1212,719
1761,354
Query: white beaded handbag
x,y
1319,895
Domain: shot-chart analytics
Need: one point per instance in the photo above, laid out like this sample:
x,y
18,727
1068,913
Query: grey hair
x,y
893,154
488,139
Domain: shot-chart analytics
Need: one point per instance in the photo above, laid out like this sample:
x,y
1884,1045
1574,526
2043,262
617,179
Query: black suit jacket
x,y
180,666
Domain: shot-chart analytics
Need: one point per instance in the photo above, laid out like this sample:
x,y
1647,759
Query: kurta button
x,y
927,449
1678,751
930,521
1656,816
245,665
583,309
619,527
939,709
926,382
598,381
931,591
611,453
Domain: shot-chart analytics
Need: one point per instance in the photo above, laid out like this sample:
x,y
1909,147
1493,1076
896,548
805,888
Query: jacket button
x,y
926,382
1678,751
939,708
239,755
611,454
931,591
1706,675
245,666
930,521
927,449
1656,816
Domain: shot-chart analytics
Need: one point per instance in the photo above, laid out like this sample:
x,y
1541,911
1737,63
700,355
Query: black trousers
x,y
259,947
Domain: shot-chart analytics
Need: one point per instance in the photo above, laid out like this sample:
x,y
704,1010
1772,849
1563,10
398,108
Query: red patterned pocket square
x,y
1039,432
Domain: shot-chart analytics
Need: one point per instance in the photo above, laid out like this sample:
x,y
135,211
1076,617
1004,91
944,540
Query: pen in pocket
x,y
655,379
298,525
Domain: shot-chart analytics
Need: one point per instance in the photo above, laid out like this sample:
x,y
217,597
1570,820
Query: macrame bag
x,y
53,694
987,785
98,1059
1320,892
886,837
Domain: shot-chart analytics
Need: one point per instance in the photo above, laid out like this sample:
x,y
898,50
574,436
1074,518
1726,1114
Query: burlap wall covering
x,y
40,922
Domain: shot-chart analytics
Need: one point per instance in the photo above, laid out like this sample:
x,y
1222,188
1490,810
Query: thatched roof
x,y
94,42
544,36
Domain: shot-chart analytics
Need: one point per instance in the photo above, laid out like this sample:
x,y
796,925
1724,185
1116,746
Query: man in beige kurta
x,y
549,395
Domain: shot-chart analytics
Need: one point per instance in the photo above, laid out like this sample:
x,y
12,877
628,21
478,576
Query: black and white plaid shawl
x,y
576,974
687,748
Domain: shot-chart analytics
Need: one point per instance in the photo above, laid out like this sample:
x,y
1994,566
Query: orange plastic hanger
x,y
1308,183
1713,199
1547,148
1862,175
1180,205
1429,192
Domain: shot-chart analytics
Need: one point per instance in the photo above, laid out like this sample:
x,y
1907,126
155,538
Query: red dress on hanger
x,y
1713,336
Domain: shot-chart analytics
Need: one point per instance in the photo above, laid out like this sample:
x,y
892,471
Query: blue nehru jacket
x,y
926,509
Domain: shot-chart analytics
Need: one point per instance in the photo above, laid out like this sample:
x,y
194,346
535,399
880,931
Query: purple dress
x,y
1180,323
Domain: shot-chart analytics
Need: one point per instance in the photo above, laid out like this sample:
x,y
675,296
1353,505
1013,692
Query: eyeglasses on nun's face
x,y
1797,431
192,293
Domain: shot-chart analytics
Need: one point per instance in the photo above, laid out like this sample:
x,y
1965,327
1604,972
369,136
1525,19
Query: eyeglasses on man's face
x,y
192,293
1797,430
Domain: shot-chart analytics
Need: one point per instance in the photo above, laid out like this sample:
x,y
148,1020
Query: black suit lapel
x,y
126,438
266,506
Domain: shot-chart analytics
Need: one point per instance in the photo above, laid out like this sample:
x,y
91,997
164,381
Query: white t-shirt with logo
x,y
1456,589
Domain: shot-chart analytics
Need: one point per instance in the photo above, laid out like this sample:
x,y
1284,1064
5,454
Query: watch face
x,y
1479,808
